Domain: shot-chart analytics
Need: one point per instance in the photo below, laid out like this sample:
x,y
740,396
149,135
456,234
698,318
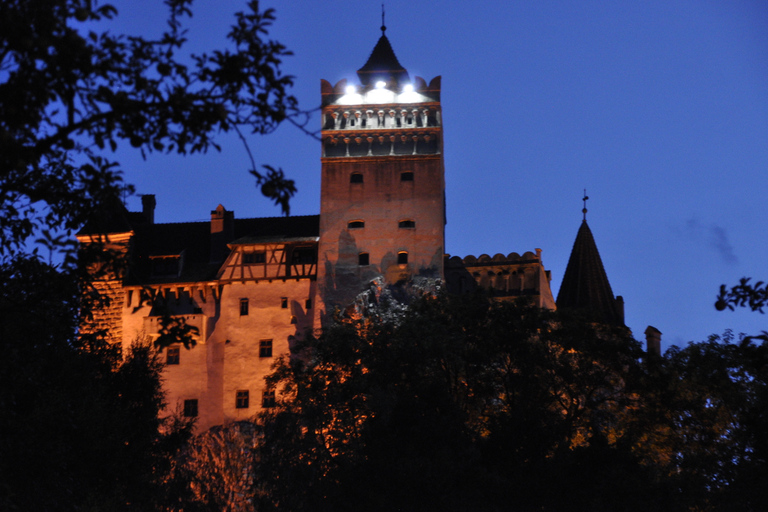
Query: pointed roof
x,y
382,64
585,284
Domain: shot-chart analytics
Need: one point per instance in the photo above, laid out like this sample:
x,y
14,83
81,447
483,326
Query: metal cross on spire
x,y
383,25
585,198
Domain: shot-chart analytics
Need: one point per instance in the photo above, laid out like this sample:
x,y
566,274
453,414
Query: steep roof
x,y
193,240
382,64
585,284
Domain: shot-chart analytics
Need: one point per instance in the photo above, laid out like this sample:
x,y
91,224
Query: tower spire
x,y
585,284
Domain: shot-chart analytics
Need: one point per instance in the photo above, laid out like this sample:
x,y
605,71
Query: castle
x,y
252,287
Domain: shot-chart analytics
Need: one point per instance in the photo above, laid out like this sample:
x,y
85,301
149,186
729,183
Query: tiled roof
x,y
585,284
382,64
192,240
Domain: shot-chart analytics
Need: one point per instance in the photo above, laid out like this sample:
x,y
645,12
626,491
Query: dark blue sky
x,y
658,108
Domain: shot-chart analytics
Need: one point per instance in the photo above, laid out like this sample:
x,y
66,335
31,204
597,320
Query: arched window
x,y
356,224
356,177
402,258
408,223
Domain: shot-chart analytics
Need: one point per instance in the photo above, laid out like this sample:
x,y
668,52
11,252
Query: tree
x,y
70,94
79,421
460,404
744,294
78,428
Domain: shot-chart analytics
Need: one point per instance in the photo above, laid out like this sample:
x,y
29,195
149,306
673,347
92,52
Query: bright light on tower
x,y
351,89
380,84
408,88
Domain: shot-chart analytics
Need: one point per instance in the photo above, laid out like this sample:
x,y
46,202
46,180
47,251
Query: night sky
x,y
659,108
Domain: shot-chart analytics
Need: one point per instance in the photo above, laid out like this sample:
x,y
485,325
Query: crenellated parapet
x,y
503,277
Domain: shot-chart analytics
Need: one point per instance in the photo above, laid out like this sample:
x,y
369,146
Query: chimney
x,y
222,232
148,204
653,340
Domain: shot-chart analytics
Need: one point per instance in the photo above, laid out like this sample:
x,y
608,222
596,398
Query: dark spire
x,y
383,64
585,284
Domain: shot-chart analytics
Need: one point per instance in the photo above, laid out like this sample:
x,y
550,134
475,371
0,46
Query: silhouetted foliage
x,y
71,92
79,425
744,294
79,420
462,403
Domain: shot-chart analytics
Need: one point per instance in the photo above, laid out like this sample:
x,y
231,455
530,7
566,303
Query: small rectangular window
x,y
172,355
284,302
190,408
308,304
402,258
355,224
241,399
362,259
265,348
406,176
268,399
252,258
243,307
406,224
303,255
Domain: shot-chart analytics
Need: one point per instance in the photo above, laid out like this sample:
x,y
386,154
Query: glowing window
x,y
268,399
172,355
190,408
242,399
265,348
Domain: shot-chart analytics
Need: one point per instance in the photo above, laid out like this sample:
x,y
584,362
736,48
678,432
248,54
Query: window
x,y
303,255
243,307
265,348
252,258
402,258
294,320
190,408
268,399
284,302
406,176
355,177
308,304
406,224
241,399
355,224
172,355
362,258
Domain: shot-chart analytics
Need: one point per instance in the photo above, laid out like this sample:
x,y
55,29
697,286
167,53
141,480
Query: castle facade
x,y
252,287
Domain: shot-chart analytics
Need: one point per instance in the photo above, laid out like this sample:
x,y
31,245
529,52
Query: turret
x,y
585,285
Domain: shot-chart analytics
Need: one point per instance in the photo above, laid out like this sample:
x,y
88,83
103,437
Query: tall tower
x,y
382,202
